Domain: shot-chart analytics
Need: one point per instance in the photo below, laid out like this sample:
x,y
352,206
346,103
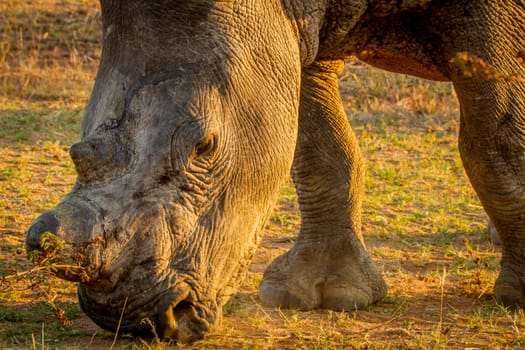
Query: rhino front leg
x,y
492,129
492,145
328,267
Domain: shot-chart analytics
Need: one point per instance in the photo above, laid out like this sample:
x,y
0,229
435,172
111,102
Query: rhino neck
x,y
307,18
323,25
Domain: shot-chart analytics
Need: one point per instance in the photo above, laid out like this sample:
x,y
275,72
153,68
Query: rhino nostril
x,y
47,222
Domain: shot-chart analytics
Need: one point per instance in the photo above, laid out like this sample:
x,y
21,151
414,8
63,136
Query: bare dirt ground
x,y
422,222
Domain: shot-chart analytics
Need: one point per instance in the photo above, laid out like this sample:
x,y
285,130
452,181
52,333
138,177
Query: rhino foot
x,y
510,289
313,278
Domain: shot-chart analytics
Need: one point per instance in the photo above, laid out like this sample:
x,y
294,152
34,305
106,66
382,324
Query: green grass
x,y
18,125
422,222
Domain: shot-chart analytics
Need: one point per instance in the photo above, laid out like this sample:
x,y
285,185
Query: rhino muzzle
x,y
164,306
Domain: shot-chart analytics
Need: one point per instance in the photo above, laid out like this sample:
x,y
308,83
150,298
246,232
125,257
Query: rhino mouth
x,y
175,315
182,318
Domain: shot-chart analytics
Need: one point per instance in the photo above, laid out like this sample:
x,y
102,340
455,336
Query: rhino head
x,y
189,131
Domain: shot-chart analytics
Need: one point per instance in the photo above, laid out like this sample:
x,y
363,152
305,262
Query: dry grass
x,y
48,52
421,217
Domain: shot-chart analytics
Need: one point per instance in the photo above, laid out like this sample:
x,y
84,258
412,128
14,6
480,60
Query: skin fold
x,y
201,108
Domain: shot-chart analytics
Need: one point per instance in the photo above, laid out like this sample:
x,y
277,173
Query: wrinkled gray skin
x,y
201,108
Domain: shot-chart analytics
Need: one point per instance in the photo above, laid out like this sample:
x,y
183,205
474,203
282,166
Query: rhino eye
x,y
205,146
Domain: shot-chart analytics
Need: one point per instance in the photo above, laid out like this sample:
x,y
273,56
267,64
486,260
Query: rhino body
x,y
200,109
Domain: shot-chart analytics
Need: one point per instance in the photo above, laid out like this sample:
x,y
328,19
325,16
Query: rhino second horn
x,y
83,154
96,156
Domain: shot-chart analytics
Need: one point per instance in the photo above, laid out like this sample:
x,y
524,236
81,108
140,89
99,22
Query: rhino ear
x,y
206,145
